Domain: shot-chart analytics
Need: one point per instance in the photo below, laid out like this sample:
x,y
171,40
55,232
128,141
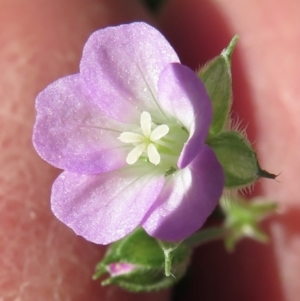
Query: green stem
x,y
206,235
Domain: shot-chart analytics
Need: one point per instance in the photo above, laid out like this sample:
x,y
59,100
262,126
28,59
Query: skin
x,y
266,96
42,40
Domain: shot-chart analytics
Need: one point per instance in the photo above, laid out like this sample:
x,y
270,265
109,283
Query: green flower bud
x,y
137,263
238,159
216,76
243,218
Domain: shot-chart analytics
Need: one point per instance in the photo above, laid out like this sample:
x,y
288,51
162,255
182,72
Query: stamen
x,y
134,155
153,154
146,123
159,132
128,137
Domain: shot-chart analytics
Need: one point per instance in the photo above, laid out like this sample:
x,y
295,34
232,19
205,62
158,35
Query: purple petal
x,y
73,133
106,207
121,67
121,268
181,94
187,199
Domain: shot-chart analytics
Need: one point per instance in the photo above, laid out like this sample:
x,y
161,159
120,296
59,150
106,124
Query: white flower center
x,y
147,142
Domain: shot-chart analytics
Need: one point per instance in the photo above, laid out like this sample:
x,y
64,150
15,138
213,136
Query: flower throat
x,y
155,143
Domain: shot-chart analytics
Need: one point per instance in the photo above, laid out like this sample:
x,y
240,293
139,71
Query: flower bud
x,y
243,218
137,263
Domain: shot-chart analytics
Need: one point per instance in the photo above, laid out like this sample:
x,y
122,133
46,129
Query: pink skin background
x,y
41,40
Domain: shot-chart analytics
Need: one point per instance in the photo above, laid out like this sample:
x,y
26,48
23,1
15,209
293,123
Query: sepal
x,y
238,159
216,76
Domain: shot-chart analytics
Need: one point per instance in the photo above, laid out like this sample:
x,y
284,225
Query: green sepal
x,y
216,76
142,280
168,249
147,257
238,159
243,218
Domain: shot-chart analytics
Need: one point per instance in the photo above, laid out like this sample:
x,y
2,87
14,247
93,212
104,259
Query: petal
x,y
73,133
182,95
121,67
187,199
120,268
104,208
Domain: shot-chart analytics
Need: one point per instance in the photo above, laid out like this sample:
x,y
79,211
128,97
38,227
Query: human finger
x,y
40,258
266,96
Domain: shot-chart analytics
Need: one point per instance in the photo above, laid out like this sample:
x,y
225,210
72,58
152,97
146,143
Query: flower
x,y
129,132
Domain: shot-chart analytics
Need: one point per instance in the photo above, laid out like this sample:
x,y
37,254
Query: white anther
x,y
159,132
128,137
134,155
146,123
153,154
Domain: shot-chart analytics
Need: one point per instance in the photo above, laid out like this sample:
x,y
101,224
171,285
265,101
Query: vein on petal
x,y
100,128
131,183
151,92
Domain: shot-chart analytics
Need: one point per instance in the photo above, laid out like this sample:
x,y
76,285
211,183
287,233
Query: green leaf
x,y
148,261
238,159
216,76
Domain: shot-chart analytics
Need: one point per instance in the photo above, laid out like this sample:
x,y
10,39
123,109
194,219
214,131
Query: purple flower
x,y
129,130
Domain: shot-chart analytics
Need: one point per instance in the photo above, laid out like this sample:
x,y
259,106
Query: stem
x,y
204,236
